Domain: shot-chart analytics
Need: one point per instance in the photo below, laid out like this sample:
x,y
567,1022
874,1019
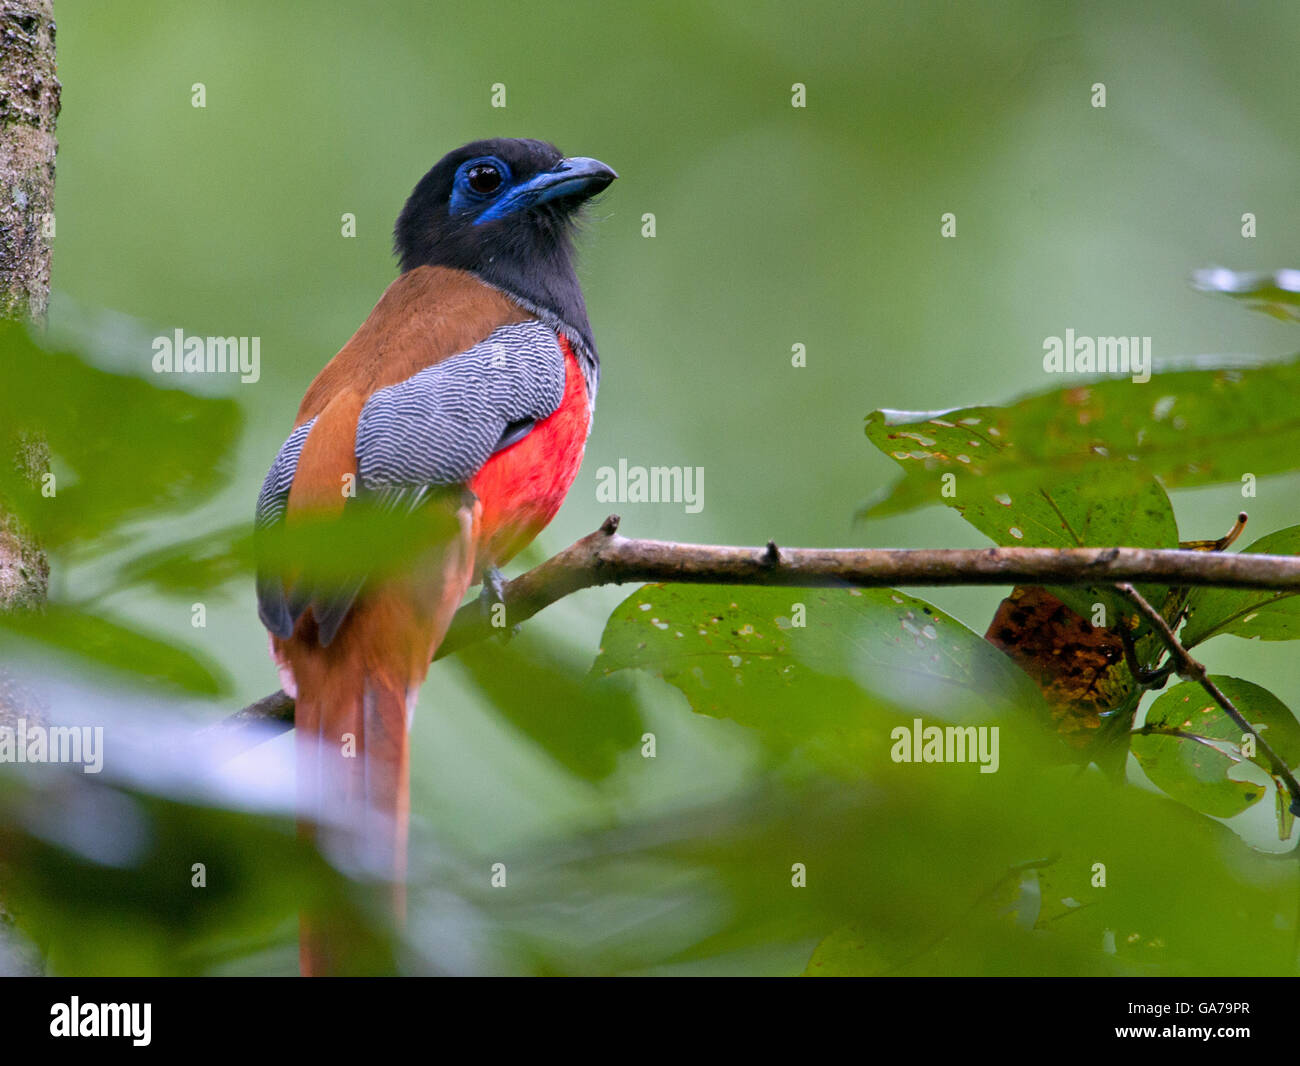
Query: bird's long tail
x,y
353,801
355,703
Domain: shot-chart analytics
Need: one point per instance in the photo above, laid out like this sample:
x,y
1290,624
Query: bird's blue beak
x,y
576,178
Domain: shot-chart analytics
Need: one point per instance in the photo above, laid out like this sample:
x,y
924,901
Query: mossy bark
x,y
29,106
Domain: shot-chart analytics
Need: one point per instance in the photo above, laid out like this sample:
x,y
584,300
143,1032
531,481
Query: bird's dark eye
x,y
484,178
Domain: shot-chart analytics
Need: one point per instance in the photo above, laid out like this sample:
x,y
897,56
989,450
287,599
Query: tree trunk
x,y
29,105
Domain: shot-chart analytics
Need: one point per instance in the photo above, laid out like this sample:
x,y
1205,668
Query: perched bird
x,y
465,399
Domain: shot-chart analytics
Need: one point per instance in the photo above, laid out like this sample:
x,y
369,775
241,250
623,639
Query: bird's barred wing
x,y
272,505
273,500
441,425
433,431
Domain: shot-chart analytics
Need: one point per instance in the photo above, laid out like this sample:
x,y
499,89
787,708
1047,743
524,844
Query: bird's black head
x,y
504,209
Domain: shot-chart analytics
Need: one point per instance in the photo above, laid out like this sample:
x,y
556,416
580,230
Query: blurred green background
x,y
775,226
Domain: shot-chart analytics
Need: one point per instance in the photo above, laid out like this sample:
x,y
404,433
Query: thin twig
x,y
1192,670
1147,678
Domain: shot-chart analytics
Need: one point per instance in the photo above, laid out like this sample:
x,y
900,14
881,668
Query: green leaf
x,y
119,444
135,912
1076,513
1189,427
108,643
319,549
853,950
195,566
779,659
1276,293
1188,745
530,679
1265,614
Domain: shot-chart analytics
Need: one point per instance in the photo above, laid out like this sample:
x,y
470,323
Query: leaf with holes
x,y
1192,750
780,659
1078,513
1186,427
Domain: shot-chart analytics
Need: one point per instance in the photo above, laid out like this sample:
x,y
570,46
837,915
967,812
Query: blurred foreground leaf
x,y
102,879
1276,293
192,567
106,643
119,444
583,723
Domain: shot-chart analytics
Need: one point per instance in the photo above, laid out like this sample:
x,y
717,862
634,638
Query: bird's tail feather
x,y
354,706
354,802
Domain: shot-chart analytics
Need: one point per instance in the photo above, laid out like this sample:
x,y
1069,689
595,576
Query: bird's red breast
x,y
522,487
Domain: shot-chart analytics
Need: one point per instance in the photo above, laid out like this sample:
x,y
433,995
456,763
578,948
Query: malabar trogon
x,y
465,397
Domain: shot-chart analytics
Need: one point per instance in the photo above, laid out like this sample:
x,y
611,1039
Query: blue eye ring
x,y
473,184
